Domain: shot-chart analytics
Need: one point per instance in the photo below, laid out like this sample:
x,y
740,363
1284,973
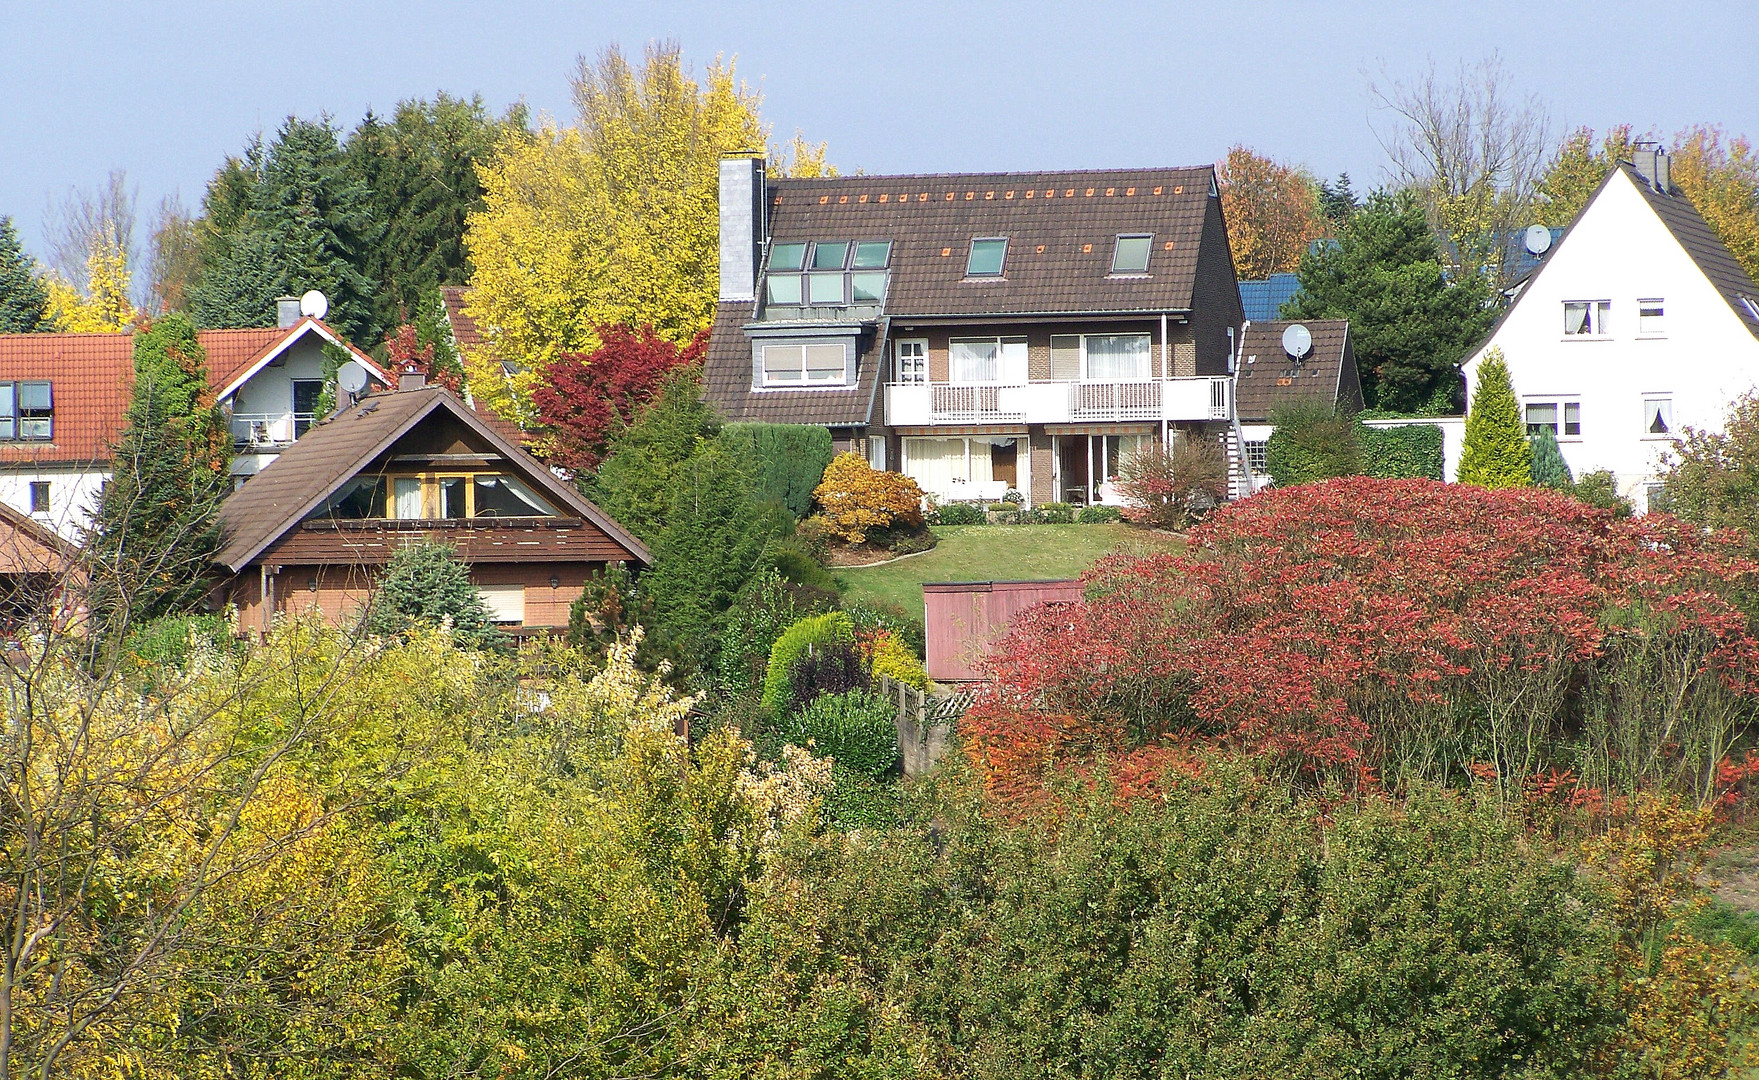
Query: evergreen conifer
x,y
1496,454
425,583
1549,467
22,296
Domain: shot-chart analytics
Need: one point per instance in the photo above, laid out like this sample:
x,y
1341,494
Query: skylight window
x,y
827,273
1130,256
787,256
829,256
873,254
987,256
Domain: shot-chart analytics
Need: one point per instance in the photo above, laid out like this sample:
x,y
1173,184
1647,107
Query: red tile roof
x,y
464,328
232,352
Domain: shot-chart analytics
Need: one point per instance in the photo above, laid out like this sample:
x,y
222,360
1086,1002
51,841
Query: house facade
x,y
981,333
1637,324
313,530
64,400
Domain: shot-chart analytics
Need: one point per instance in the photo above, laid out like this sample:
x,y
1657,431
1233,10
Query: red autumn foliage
x,y
1321,627
405,352
588,396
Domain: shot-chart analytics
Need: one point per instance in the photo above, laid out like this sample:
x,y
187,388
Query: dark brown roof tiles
x,y
1269,378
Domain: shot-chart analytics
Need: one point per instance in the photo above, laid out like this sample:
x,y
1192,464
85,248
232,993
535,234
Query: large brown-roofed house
x,y
315,528
980,332
64,399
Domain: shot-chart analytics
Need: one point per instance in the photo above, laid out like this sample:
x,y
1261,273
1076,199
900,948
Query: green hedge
x,y
786,460
778,683
1413,451
857,729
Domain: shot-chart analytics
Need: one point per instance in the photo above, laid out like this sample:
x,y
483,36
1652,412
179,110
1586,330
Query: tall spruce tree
x,y
1409,323
297,220
426,583
22,296
1495,454
157,526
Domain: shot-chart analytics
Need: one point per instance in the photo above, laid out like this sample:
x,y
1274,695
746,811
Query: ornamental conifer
x,y
425,583
1496,454
1549,467
22,296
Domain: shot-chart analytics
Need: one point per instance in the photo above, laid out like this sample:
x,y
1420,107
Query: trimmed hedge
x,y
1312,441
1402,453
778,682
857,729
786,460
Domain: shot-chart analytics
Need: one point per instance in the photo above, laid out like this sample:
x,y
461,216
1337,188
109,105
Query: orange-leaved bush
x,y
1409,629
856,497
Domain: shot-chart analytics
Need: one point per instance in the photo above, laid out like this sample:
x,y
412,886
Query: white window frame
x,y
761,358
1004,377
1258,456
916,374
1665,402
1562,403
1598,315
1656,328
1083,374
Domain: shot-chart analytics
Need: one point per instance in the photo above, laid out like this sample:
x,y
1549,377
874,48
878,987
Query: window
x,y
1650,317
824,289
828,273
506,603
912,363
1572,418
407,506
987,360
1658,417
1542,416
784,288
26,410
829,256
39,496
1102,357
1546,416
1130,254
499,495
1066,357
787,256
1258,457
789,365
867,287
305,404
873,255
987,257
439,496
359,499
1586,318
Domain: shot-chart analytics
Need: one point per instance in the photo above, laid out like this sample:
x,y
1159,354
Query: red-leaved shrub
x,y
1396,628
586,397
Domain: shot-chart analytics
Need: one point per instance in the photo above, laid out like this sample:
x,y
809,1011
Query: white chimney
x,y
742,225
286,311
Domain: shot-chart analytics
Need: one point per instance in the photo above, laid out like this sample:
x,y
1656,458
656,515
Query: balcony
x,y
1203,397
268,431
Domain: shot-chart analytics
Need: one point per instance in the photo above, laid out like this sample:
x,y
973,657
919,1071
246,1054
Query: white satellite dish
x,y
1297,342
314,304
1538,239
351,377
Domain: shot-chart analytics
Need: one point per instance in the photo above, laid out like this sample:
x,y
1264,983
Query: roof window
x,y
987,256
873,255
1130,255
830,256
828,273
787,256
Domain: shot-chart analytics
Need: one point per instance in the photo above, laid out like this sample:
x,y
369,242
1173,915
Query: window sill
x,y
1587,337
1128,277
1651,337
799,387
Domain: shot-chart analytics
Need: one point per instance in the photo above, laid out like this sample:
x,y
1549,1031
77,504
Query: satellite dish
x,y
1297,342
314,304
351,377
1537,239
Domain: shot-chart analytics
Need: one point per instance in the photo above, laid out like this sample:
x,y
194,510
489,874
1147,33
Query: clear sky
x,y
165,90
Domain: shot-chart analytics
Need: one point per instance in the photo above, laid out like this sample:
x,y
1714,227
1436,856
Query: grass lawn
x,y
992,553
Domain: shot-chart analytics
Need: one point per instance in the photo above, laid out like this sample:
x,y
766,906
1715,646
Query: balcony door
x,y
306,393
979,361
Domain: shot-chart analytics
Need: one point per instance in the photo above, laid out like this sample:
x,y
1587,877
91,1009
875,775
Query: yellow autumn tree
x,y
1720,174
103,305
613,220
1272,213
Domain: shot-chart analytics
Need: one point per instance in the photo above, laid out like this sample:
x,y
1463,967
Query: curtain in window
x,y
975,361
505,496
935,463
1575,318
1118,357
408,498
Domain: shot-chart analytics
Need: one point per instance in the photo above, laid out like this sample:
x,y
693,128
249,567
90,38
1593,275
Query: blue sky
x,y
166,90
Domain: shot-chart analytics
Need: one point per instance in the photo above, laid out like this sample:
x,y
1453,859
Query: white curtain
x,y
408,498
975,361
1118,357
935,463
1575,318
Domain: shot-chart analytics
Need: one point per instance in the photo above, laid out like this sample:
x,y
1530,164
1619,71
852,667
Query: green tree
x,y
156,527
425,583
1712,477
1576,169
636,481
306,223
1409,323
1549,467
23,299
1312,441
1496,453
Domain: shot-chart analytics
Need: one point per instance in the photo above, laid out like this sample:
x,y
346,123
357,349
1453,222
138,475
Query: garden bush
x,y
959,514
1413,452
859,801
888,657
786,460
1549,467
768,605
834,667
869,617
1056,513
1495,454
857,497
1600,488
1002,507
911,544
1312,441
1171,489
813,630
857,729
1099,515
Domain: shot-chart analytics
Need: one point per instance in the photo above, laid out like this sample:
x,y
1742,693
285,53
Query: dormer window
x,y
827,273
787,257
831,256
1130,254
26,411
988,254
873,255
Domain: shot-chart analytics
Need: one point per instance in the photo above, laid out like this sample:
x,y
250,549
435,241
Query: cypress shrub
x,y
786,460
1401,453
1549,467
1496,454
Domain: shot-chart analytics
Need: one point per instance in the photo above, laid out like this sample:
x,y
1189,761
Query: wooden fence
x,y
925,722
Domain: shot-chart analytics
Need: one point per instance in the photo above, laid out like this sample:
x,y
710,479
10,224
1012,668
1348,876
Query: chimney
x,y
1652,164
742,226
286,311
411,379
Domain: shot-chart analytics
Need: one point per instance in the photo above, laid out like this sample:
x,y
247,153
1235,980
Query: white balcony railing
x,y
1203,397
266,430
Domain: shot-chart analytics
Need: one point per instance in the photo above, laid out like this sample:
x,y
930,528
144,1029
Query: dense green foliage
x,y
1312,441
157,522
1713,476
767,605
1409,323
426,584
1098,515
1411,451
787,460
814,631
855,729
22,296
1549,468
1599,488
636,481
1496,453
959,514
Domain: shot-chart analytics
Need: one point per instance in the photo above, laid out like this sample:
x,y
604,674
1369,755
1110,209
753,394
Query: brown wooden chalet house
x,y
314,529
981,333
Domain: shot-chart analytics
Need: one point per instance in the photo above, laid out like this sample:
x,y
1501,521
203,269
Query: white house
x,y
1638,323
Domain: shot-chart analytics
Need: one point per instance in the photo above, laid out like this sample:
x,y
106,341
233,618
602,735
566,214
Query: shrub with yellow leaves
x,y
856,497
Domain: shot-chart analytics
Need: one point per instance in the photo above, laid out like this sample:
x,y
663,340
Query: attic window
x,y
830,256
872,255
987,256
787,256
26,411
1130,255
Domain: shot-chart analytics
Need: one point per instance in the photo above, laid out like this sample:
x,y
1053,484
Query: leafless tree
x,y
1474,147
175,256
87,222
